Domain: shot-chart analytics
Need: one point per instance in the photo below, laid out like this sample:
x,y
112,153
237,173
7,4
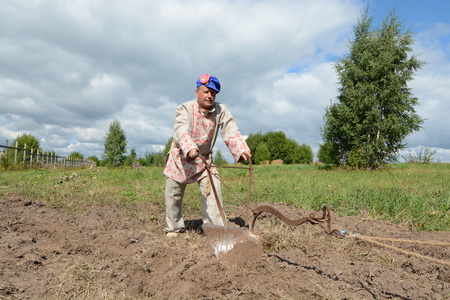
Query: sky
x,y
68,69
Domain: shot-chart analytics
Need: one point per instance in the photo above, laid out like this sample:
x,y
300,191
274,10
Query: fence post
x,y
6,149
24,152
15,153
31,158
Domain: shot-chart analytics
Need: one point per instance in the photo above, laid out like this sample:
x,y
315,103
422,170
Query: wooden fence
x,y
33,158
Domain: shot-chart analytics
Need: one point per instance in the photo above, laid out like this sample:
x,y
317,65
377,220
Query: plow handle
x,y
219,205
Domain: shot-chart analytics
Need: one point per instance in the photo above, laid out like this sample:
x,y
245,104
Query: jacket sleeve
x,y
230,134
182,135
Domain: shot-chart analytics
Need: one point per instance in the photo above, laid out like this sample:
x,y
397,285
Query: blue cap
x,y
209,81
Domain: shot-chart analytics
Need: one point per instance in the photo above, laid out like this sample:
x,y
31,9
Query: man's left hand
x,y
246,155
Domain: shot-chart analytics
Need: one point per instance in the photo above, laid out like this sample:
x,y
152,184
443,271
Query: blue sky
x,y
415,13
421,16
69,68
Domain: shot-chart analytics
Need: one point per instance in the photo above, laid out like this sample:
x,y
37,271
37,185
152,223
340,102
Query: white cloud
x,y
432,88
296,102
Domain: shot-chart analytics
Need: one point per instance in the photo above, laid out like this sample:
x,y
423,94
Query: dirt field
x,y
103,253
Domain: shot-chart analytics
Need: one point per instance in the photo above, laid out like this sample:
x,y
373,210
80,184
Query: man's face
x,y
205,97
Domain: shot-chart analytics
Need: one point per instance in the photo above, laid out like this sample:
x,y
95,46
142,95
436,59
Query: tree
x,y
293,153
27,139
131,158
328,153
290,152
276,141
304,154
115,145
159,158
30,141
154,159
254,140
275,145
374,111
219,160
75,155
94,159
262,153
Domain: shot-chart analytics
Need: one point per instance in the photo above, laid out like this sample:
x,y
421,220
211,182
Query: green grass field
x,y
415,194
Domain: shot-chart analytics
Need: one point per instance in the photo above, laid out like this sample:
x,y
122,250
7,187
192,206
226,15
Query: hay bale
x,y
276,162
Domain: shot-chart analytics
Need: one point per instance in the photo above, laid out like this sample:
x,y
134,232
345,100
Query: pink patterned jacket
x,y
198,129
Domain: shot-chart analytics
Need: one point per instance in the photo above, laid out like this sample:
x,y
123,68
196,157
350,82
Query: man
x,y
197,125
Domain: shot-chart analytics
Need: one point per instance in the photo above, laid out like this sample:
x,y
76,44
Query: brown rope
x,y
373,240
432,243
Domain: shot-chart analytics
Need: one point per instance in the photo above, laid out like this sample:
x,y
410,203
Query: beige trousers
x,y
174,194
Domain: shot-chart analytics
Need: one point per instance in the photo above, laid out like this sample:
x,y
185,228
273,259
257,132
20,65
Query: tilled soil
x,y
102,253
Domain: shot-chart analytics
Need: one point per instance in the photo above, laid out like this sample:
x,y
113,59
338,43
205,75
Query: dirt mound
x,y
47,253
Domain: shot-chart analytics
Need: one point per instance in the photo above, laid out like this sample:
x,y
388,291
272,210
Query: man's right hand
x,y
192,155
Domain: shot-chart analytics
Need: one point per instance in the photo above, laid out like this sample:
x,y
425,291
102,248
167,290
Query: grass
x,y
414,194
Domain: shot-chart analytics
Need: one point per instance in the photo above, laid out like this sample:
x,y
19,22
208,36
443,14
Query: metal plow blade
x,y
223,238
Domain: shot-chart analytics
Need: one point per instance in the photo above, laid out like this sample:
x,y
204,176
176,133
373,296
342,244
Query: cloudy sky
x,y
69,68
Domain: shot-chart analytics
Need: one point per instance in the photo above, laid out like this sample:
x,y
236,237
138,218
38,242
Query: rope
x,y
207,188
403,241
208,184
405,252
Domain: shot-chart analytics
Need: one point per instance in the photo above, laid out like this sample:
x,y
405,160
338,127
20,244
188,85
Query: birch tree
x,y
375,107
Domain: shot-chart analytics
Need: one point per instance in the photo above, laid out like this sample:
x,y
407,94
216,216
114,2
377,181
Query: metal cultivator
x,y
224,238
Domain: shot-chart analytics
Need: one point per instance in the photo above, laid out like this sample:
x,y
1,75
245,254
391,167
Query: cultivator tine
x,y
324,221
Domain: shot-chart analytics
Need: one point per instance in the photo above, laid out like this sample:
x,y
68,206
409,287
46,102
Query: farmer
x,y
197,124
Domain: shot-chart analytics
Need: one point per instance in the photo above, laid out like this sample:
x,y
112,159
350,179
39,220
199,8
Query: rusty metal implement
x,y
225,238
324,221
